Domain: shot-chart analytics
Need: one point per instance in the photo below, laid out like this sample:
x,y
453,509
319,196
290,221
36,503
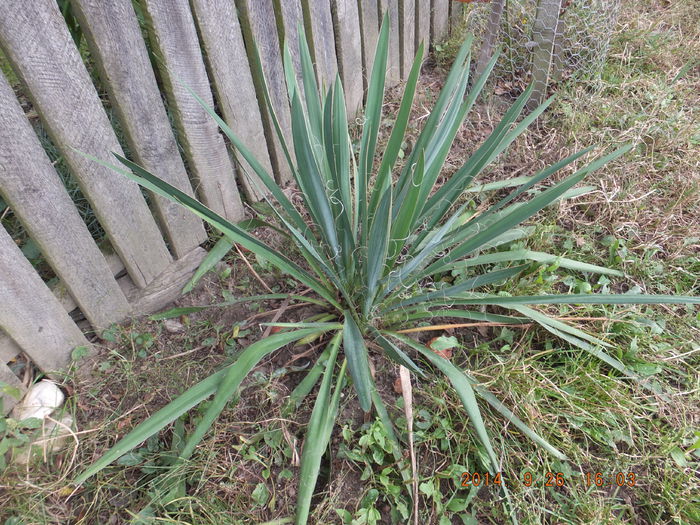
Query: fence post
x,y
543,35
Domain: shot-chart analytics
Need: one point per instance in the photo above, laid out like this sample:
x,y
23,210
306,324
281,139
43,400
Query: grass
x,y
642,219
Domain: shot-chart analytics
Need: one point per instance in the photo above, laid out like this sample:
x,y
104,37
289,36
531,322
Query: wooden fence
x,y
203,43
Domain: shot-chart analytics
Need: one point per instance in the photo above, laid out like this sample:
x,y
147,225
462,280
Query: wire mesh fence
x,y
542,41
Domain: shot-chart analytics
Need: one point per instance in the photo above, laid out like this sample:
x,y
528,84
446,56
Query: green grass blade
x,y
306,385
511,417
542,257
466,285
186,401
408,211
377,246
317,437
393,147
464,390
358,361
397,355
156,185
593,298
218,252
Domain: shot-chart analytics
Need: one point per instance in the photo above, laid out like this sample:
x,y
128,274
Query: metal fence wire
x,y
542,41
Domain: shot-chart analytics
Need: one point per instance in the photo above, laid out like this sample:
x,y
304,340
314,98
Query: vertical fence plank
x,y
407,35
493,27
176,44
34,191
544,31
349,48
220,31
393,74
115,40
9,378
35,39
259,27
456,16
289,16
422,23
440,19
31,315
319,23
369,28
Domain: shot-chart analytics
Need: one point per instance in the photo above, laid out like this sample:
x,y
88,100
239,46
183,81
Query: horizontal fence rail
x,y
133,99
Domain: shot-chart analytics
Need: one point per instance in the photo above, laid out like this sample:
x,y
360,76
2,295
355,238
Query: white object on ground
x,y
42,398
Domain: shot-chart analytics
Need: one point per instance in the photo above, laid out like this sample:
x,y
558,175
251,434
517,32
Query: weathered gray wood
x,y
31,315
493,28
32,188
35,39
349,49
320,26
440,20
543,34
407,35
422,24
290,16
8,348
7,377
166,288
116,43
456,16
229,69
175,42
393,74
369,28
257,18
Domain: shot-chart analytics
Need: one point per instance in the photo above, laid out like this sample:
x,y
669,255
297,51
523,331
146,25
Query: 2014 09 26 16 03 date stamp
x,y
549,479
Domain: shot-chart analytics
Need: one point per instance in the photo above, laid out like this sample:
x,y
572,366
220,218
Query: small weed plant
x,y
386,247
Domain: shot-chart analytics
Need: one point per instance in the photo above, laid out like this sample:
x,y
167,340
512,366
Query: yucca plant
x,y
375,242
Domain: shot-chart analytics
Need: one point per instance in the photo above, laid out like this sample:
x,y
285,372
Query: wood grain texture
x,y
369,27
9,378
116,43
422,23
493,28
393,73
30,185
456,16
230,71
257,18
36,41
349,48
407,35
31,315
544,32
167,288
319,23
290,16
175,42
440,20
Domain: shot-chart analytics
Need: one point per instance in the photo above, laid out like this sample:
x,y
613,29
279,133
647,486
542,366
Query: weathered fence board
x,y
35,39
320,22
440,20
456,16
493,27
369,28
422,24
31,315
32,188
290,16
543,35
175,42
230,71
407,38
113,33
349,46
393,68
260,29
8,377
